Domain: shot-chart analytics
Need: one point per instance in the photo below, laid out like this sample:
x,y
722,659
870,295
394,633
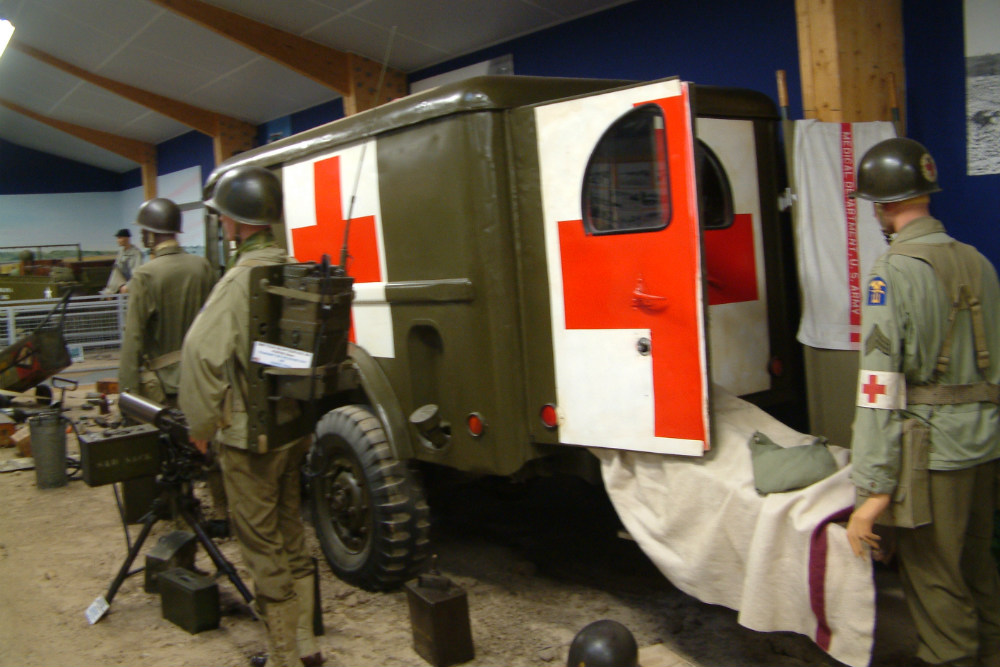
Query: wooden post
x,y
849,53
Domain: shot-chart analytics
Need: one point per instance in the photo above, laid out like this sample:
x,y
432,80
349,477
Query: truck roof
x,y
482,93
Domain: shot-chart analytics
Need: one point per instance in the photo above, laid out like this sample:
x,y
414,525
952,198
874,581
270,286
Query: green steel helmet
x,y
603,643
159,215
896,170
250,195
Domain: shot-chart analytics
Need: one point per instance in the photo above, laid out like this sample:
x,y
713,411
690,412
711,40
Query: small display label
x,y
279,356
97,609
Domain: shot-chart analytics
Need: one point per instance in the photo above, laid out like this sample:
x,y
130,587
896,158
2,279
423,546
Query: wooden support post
x,y
149,177
848,50
232,137
363,76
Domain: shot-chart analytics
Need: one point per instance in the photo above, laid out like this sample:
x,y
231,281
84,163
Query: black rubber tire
x,y
368,508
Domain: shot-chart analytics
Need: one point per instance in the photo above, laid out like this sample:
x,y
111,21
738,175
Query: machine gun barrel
x,y
169,420
140,409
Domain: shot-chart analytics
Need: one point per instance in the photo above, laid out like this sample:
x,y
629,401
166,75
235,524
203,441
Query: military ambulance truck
x,y
540,266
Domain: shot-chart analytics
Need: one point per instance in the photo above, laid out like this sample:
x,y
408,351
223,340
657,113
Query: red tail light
x,y
549,415
475,424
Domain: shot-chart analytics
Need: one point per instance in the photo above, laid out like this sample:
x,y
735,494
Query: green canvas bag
x,y
777,469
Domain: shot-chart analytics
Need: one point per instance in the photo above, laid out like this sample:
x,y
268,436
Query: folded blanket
x,y
780,559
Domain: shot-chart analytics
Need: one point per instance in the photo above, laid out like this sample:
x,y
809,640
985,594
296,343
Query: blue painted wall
x,y
24,171
935,107
715,42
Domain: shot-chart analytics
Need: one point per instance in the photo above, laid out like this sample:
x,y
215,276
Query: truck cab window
x,y
626,184
715,196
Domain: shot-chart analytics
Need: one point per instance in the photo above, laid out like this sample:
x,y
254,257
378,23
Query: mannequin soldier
x,y
127,261
262,486
926,445
165,295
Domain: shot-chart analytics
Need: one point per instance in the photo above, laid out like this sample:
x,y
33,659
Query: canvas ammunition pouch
x,y
150,387
911,501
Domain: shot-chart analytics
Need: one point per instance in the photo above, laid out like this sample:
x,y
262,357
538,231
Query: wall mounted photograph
x,y
982,86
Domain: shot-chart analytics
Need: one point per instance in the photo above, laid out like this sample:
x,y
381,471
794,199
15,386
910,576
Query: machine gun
x,y
158,445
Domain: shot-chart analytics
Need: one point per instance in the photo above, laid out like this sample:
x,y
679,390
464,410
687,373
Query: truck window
x,y
715,194
625,186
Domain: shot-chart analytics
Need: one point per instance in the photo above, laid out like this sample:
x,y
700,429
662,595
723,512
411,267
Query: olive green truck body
x,y
541,266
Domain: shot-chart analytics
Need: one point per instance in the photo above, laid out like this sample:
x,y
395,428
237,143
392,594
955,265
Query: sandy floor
x,y
535,571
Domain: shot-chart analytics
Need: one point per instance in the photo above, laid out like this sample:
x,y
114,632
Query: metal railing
x,y
92,322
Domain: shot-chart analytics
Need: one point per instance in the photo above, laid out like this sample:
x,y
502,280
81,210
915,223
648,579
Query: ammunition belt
x,y
952,394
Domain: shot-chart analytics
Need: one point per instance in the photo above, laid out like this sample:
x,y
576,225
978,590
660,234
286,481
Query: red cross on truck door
x,y
623,251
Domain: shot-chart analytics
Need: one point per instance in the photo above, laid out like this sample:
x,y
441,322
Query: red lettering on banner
x,y
327,235
873,389
851,214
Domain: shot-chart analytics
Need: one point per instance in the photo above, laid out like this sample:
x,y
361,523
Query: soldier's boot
x,y
309,650
281,618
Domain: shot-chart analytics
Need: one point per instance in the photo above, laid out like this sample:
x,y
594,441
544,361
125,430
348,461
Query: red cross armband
x,y
883,390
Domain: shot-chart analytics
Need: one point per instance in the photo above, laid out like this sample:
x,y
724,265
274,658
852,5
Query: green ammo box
x,y
115,455
189,600
174,550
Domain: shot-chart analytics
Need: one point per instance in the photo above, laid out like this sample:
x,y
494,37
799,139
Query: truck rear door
x,y
623,248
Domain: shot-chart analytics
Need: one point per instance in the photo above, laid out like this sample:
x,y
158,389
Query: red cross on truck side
x,y
327,235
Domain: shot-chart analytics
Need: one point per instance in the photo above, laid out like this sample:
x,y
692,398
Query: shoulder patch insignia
x,y
878,290
876,340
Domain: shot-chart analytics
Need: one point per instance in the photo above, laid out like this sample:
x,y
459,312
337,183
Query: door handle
x,y
650,303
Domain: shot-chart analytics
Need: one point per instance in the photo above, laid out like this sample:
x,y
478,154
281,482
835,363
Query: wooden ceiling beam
x,y
205,121
320,63
347,73
137,151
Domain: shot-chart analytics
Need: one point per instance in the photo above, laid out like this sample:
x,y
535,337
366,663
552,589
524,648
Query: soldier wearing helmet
x,y
127,261
262,481
165,295
926,445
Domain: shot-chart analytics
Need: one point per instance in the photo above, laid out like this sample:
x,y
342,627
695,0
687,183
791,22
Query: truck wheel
x,y
368,508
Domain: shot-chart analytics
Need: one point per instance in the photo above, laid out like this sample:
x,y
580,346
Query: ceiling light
x,y
6,30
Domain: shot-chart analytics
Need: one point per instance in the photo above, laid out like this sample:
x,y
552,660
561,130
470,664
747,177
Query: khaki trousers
x,y
948,573
265,511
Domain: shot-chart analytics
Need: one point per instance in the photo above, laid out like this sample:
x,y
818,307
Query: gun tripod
x,y
173,496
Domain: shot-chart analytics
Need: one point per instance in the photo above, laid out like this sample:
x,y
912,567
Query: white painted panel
x,y
738,332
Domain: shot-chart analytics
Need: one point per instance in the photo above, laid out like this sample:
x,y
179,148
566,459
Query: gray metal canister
x,y
48,447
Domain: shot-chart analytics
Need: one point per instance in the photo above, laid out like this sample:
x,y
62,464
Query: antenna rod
x,y
364,148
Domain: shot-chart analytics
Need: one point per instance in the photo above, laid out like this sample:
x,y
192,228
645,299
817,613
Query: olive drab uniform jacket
x,y
906,348
165,295
127,261
216,351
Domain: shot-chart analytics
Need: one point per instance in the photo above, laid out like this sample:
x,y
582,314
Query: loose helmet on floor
x,y
895,170
250,195
603,643
159,215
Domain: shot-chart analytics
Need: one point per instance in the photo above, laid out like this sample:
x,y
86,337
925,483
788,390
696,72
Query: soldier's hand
x,y
200,445
861,525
